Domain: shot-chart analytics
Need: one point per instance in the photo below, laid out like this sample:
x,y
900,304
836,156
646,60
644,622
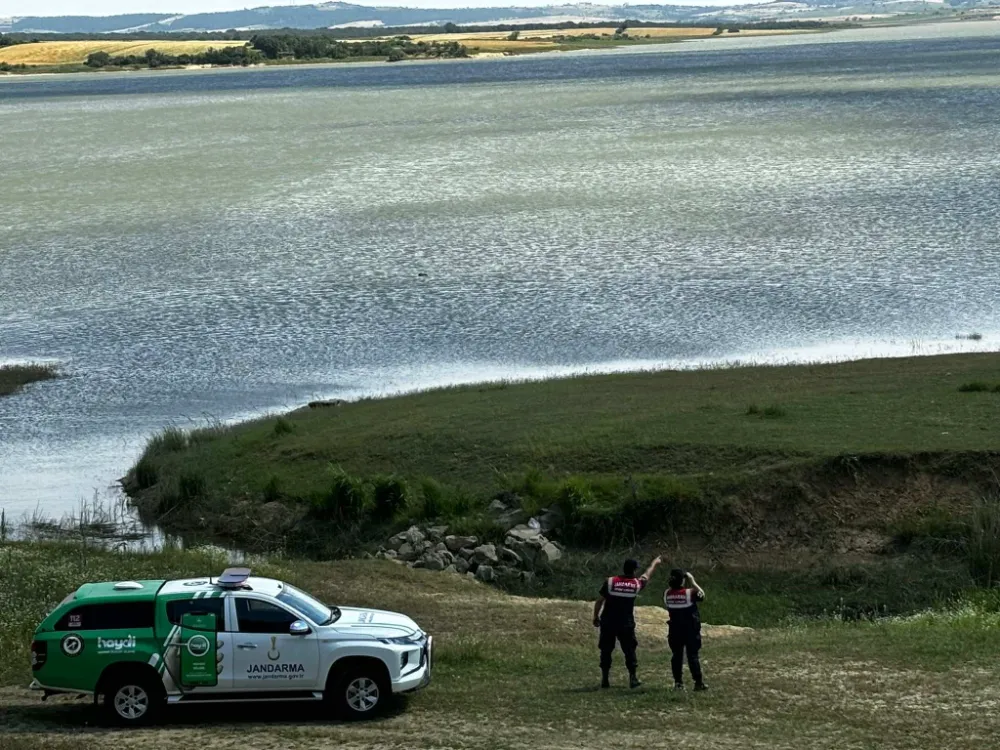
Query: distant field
x,y
543,40
74,53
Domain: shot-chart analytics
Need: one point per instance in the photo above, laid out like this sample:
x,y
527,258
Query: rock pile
x,y
525,552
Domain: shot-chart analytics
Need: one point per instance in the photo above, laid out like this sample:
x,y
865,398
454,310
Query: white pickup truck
x,y
141,645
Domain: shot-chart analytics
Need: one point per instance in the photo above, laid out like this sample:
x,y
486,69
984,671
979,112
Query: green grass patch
x,y
14,377
919,682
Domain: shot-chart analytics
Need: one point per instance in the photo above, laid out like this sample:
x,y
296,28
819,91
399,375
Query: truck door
x,y
266,655
196,620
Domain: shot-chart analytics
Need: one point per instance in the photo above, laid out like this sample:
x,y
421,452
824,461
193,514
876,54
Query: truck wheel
x,y
133,699
359,693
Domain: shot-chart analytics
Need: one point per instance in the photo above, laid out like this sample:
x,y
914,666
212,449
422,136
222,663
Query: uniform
x,y
684,631
618,619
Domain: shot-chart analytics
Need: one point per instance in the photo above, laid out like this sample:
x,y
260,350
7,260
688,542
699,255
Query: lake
x,y
210,245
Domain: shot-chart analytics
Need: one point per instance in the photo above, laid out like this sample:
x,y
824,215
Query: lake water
x,y
211,245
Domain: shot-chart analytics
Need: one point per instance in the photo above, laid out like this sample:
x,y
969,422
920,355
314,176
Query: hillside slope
x,y
837,457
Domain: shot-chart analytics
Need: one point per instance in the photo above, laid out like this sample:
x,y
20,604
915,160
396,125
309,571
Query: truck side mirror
x,y
299,628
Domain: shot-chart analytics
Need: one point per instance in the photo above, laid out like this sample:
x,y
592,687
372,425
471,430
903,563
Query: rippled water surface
x,y
212,244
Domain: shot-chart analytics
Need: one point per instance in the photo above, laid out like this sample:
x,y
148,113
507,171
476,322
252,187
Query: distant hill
x,y
339,14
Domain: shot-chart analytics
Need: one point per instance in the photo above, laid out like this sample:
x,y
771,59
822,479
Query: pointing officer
x,y
684,626
614,615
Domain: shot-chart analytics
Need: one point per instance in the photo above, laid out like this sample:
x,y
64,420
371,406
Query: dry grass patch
x,y
75,53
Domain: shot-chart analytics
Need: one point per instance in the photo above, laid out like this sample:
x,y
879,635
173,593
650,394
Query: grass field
x,y
14,377
75,53
682,422
514,673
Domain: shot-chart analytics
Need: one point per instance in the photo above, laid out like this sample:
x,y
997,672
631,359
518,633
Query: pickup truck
x,y
138,646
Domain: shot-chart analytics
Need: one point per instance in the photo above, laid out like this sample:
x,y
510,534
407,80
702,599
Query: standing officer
x,y
614,615
684,626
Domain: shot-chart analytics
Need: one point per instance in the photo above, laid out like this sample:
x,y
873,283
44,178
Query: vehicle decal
x,y
72,645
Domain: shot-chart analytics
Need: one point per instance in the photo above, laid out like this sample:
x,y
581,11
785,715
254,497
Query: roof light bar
x,y
233,578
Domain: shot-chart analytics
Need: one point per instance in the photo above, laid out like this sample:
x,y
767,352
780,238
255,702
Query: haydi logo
x,y
116,645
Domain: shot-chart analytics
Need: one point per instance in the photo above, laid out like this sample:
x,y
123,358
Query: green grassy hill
x,y
14,377
796,455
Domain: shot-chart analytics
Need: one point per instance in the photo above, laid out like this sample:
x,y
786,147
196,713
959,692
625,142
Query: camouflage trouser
x,y
626,637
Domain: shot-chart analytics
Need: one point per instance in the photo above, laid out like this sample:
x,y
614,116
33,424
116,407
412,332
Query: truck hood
x,y
375,623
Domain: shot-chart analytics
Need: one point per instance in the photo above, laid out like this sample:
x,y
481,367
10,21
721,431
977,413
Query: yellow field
x,y
69,53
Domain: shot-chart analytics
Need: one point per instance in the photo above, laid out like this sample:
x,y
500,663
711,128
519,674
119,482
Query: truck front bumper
x,y
418,678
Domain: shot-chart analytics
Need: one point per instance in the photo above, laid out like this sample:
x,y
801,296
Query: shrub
x,y
190,486
283,427
753,410
512,37
171,440
272,490
773,412
976,386
390,497
439,501
396,54
984,542
345,500
145,473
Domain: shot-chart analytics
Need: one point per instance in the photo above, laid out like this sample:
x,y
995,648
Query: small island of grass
x,y
14,377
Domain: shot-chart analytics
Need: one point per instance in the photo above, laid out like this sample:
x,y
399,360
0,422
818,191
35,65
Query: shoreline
x,y
15,377
56,69
691,43
115,454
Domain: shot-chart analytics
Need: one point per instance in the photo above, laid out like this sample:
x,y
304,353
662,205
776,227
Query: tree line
x,y
153,58
284,46
330,47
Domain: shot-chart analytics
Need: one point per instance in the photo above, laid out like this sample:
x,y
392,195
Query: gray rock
x,y
418,564
527,534
455,543
432,562
446,556
550,553
485,574
451,569
485,554
398,540
462,565
415,536
510,557
466,553
390,554
407,552
436,533
440,547
471,575
527,576
497,507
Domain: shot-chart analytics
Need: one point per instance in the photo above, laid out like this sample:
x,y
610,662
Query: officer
x,y
684,626
614,615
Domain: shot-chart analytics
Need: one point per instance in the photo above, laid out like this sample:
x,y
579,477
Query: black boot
x,y
699,686
678,686
605,679
633,681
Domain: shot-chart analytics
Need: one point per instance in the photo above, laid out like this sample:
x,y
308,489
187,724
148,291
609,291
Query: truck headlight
x,y
405,640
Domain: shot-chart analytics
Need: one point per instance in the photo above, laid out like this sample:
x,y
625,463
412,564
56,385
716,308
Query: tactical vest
x,y
624,588
678,598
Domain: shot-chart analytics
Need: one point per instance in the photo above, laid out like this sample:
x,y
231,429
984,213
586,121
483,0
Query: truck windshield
x,y
314,610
